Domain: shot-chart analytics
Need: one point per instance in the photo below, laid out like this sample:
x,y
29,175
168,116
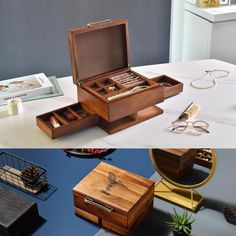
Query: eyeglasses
x,y
182,125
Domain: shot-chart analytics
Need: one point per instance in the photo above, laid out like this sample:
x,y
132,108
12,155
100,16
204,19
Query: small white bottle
x,y
14,106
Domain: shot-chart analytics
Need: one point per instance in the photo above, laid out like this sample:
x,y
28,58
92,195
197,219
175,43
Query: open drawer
x,y
171,86
71,118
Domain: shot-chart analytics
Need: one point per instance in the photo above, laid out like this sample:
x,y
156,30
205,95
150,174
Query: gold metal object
x,y
92,202
209,3
176,193
188,199
112,182
99,23
181,125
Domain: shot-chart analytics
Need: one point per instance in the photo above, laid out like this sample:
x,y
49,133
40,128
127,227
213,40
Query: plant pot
x,y
181,233
178,233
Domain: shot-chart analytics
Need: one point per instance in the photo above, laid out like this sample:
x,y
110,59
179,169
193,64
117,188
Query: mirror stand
x,y
189,199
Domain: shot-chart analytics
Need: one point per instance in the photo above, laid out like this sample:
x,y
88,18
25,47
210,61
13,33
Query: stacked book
x,y
29,87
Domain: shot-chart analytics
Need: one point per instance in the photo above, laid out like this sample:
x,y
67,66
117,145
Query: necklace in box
x,y
110,94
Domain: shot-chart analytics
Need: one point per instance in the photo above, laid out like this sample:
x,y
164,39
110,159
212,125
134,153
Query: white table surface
x,y
217,107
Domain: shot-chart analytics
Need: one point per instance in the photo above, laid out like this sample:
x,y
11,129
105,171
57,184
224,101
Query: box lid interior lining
x,y
101,51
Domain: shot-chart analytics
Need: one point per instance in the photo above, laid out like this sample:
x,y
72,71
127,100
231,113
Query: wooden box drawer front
x,y
101,222
138,220
66,127
87,215
121,231
100,211
136,102
124,106
110,226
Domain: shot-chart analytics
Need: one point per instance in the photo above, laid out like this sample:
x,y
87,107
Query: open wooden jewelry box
x,y
115,96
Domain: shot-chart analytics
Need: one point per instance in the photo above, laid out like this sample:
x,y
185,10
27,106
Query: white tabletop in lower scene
x,y
217,107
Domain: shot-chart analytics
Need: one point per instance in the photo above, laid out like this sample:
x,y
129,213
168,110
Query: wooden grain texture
x,y
86,215
114,227
66,127
99,49
99,52
175,163
135,102
133,186
115,216
177,153
175,88
124,106
131,198
138,117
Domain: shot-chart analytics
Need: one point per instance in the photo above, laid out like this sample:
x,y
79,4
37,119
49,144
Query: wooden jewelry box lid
x,y
125,191
98,48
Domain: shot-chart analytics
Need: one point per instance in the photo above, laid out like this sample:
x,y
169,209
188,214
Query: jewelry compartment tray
x,y
83,117
203,157
171,86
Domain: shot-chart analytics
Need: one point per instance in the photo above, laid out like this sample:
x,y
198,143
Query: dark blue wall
x,y
64,173
33,34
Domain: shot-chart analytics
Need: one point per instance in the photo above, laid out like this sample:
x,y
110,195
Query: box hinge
x,y
78,83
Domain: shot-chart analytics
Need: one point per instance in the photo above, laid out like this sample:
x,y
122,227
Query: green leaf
x,y
185,215
187,230
190,222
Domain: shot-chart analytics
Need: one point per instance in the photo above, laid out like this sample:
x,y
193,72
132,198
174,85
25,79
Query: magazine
x,y
55,91
24,87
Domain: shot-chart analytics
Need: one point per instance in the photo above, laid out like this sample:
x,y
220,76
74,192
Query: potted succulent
x,y
181,225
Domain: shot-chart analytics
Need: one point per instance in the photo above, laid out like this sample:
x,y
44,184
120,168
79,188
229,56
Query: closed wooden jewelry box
x,y
106,85
113,198
176,162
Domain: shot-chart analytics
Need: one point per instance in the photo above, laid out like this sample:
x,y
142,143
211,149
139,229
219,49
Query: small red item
x,y
54,122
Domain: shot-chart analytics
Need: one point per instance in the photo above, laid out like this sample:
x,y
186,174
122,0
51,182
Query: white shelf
x,y
213,14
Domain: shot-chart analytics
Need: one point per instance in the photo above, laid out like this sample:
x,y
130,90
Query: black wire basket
x,y
22,174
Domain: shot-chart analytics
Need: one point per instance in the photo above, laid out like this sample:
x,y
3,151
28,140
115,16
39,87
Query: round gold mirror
x,y
182,171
